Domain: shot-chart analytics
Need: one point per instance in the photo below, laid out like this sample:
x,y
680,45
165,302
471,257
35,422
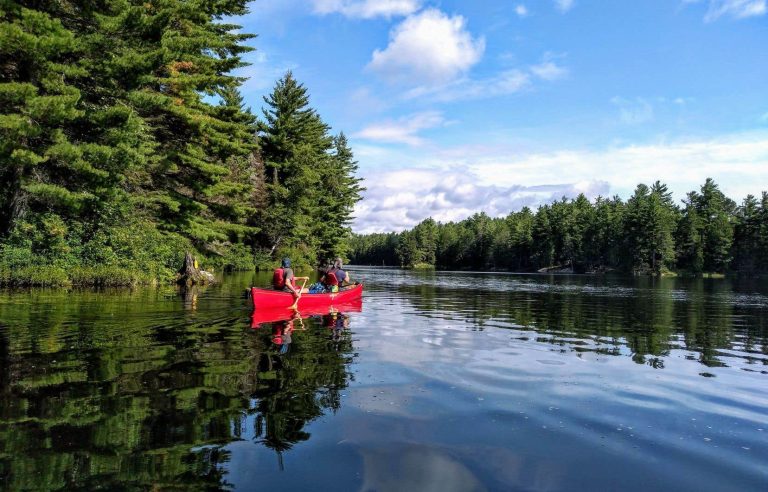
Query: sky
x,y
453,107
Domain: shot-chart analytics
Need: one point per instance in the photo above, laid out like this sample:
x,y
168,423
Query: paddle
x,y
300,289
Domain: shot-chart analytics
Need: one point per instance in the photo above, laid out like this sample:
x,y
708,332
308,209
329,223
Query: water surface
x,y
444,381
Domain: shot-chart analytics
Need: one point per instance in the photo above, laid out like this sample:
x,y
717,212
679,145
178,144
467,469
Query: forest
x,y
647,234
125,141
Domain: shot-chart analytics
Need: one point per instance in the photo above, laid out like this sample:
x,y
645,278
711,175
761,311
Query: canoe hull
x,y
274,299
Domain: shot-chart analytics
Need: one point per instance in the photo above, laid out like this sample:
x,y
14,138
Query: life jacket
x,y
278,279
330,279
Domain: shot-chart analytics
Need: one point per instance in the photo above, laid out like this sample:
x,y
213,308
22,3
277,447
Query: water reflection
x,y
446,380
262,316
645,319
147,389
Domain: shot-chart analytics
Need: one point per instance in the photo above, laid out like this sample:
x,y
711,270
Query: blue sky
x,y
453,107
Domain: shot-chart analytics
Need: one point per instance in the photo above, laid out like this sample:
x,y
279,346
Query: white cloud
x,y
633,111
367,9
521,10
449,196
433,53
507,82
564,5
739,163
458,182
738,9
404,130
429,48
549,70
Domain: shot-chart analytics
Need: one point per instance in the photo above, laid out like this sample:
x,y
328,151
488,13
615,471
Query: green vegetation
x,y
124,142
647,234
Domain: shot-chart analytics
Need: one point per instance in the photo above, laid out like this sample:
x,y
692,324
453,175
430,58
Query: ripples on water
x,y
444,381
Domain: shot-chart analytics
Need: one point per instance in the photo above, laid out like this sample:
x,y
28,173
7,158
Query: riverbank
x,y
126,275
80,276
557,270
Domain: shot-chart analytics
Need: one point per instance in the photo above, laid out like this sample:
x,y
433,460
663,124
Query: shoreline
x,y
671,274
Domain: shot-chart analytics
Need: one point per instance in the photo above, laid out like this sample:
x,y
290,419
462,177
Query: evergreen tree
x,y
109,137
604,235
52,161
690,240
717,211
426,239
649,225
407,249
295,149
173,54
747,240
762,219
543,240
337,193
662,223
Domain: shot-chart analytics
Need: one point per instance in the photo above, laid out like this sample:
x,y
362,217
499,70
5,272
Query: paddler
x,y
284,279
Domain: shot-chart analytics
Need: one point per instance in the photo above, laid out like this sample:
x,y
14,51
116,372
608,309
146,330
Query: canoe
x,y
271,299
273,315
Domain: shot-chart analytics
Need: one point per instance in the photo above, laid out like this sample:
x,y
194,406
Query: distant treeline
x,y
647,234
124,141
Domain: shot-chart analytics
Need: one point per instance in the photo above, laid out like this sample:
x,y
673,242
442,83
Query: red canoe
x,y
272,299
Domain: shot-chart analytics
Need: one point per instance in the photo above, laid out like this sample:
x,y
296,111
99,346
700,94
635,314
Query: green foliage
x,y
236,257
649,225
113,155
648,234
131,254
707,230
310,184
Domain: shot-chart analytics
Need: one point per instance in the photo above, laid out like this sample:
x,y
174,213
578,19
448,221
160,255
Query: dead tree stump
x,y
188,274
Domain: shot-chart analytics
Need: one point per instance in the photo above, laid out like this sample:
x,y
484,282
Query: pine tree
x,y
746,236
310,176
605,233
662,223
717,211
426,239
762,219
543,240
690,237
173,54
649,225
337,193
43,165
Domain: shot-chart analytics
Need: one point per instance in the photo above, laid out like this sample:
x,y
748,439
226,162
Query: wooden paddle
x,y
300,290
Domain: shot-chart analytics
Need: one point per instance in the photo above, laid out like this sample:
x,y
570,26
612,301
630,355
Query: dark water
x,y
443,382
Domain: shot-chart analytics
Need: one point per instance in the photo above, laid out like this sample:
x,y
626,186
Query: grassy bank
x,y
51,254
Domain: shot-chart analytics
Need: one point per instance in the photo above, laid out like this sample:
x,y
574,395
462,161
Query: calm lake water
x,y
444,381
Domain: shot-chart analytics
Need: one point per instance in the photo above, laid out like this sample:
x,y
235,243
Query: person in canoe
x,y
342,276
283,279
329,279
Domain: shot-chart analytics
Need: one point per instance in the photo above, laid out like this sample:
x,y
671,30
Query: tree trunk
x,y
188,274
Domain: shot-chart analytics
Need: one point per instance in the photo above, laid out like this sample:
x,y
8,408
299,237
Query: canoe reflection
x,y
261,316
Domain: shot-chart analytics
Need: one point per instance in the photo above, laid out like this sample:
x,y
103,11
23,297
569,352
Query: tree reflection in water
x,y
148,398
644,318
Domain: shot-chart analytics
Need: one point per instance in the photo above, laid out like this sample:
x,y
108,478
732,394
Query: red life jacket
x,y
278,279
330,279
